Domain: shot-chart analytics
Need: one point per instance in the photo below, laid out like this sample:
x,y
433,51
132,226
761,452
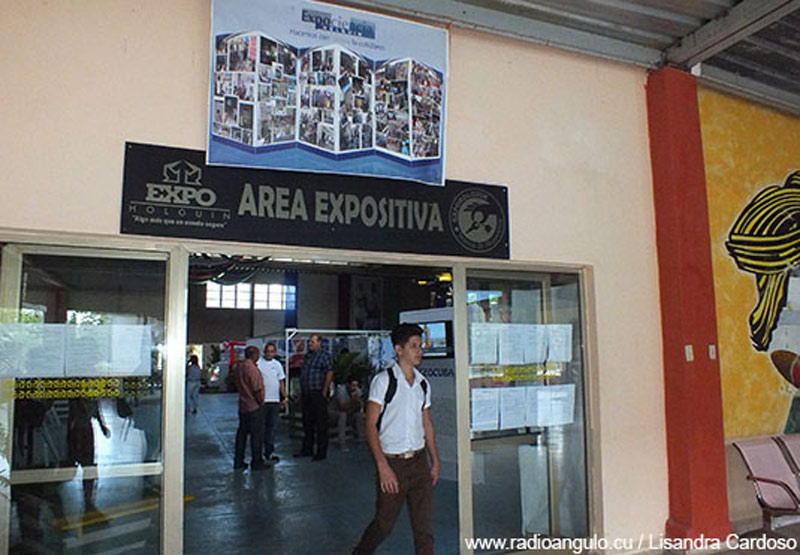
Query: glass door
x,y
527,410
82,355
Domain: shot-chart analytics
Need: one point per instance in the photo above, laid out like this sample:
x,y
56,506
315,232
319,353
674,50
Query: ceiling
x,y
750,48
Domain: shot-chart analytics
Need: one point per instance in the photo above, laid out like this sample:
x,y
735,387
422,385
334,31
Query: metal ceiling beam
x,y
770,46
454,12
741,21
748,88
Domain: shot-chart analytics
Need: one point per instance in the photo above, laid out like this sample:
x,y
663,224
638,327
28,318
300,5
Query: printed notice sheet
x,y
68,350
552,405
559,342
511,343
535,343
512,407
32,350
485,408
483,343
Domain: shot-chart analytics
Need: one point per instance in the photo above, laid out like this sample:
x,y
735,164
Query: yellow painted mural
x,y
747,149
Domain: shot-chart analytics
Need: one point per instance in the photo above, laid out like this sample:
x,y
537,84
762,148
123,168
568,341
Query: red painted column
x,y
698,499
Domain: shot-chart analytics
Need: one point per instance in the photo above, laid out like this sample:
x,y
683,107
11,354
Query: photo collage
x,y
392,108
411,129
330,98
355,102
335,99
426,111
255,88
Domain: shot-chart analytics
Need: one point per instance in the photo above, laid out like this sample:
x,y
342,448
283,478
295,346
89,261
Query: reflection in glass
x,y
527,411
87,361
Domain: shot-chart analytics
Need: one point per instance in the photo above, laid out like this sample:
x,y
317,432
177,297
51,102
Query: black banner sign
x,y
171,192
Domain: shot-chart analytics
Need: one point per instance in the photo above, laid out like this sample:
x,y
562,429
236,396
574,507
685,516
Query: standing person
x,y
274,397
250,385
193,377
399,428
315,382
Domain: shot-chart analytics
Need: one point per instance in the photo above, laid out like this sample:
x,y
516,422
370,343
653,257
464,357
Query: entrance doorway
x,y
82,336
296,503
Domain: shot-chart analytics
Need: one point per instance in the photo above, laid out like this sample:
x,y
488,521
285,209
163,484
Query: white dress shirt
x,y
401,427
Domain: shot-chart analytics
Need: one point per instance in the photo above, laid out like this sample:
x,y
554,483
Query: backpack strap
x,y
392,389
389,395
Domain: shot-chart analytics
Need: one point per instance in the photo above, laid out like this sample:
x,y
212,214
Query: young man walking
x,y
399,428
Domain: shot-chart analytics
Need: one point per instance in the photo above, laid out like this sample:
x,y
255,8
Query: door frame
x,y
177,253
171,509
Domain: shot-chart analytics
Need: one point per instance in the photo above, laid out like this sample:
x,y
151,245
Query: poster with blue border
x,y
314,87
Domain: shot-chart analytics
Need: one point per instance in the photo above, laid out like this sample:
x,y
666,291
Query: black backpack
x,y
392,389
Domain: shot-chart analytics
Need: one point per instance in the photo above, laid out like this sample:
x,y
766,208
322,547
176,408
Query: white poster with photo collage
x,y
315,87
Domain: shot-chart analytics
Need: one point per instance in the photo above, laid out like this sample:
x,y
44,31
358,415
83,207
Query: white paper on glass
x,y
534,343
485,408
32,350
11,350
112,350
483,343
88,351
511,343
559,342
130,350
512,407
45,352
552,405
531,405
69,350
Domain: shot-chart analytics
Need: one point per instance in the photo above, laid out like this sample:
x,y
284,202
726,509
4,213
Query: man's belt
x,y
405,454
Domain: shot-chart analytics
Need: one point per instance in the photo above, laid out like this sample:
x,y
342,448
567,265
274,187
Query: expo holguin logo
x,y
477,220
179,199
181,185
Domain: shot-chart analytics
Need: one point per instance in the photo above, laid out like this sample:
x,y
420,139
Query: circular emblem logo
x,y
477,220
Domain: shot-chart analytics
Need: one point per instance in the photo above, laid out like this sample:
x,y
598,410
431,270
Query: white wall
x,y
566,133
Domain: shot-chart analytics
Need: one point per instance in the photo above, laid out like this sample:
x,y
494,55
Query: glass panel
x,y
87,358
50,518
243,295
213,295
228,296
527,410
260,296
276,296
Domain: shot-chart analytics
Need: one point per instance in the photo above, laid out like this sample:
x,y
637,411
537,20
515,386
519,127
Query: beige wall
x,y
567,134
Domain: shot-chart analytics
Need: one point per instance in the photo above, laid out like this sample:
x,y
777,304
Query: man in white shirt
x,y
399,428
274,397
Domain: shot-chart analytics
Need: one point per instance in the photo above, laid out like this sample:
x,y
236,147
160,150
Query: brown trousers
x,y
416,487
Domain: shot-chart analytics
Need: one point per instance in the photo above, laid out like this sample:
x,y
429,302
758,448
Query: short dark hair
x,y
402,333
270,344
251,352
193,359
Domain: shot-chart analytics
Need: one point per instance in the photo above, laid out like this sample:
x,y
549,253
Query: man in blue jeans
x,y
274,397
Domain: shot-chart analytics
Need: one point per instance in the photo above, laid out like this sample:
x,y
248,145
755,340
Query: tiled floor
x,y
297,506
